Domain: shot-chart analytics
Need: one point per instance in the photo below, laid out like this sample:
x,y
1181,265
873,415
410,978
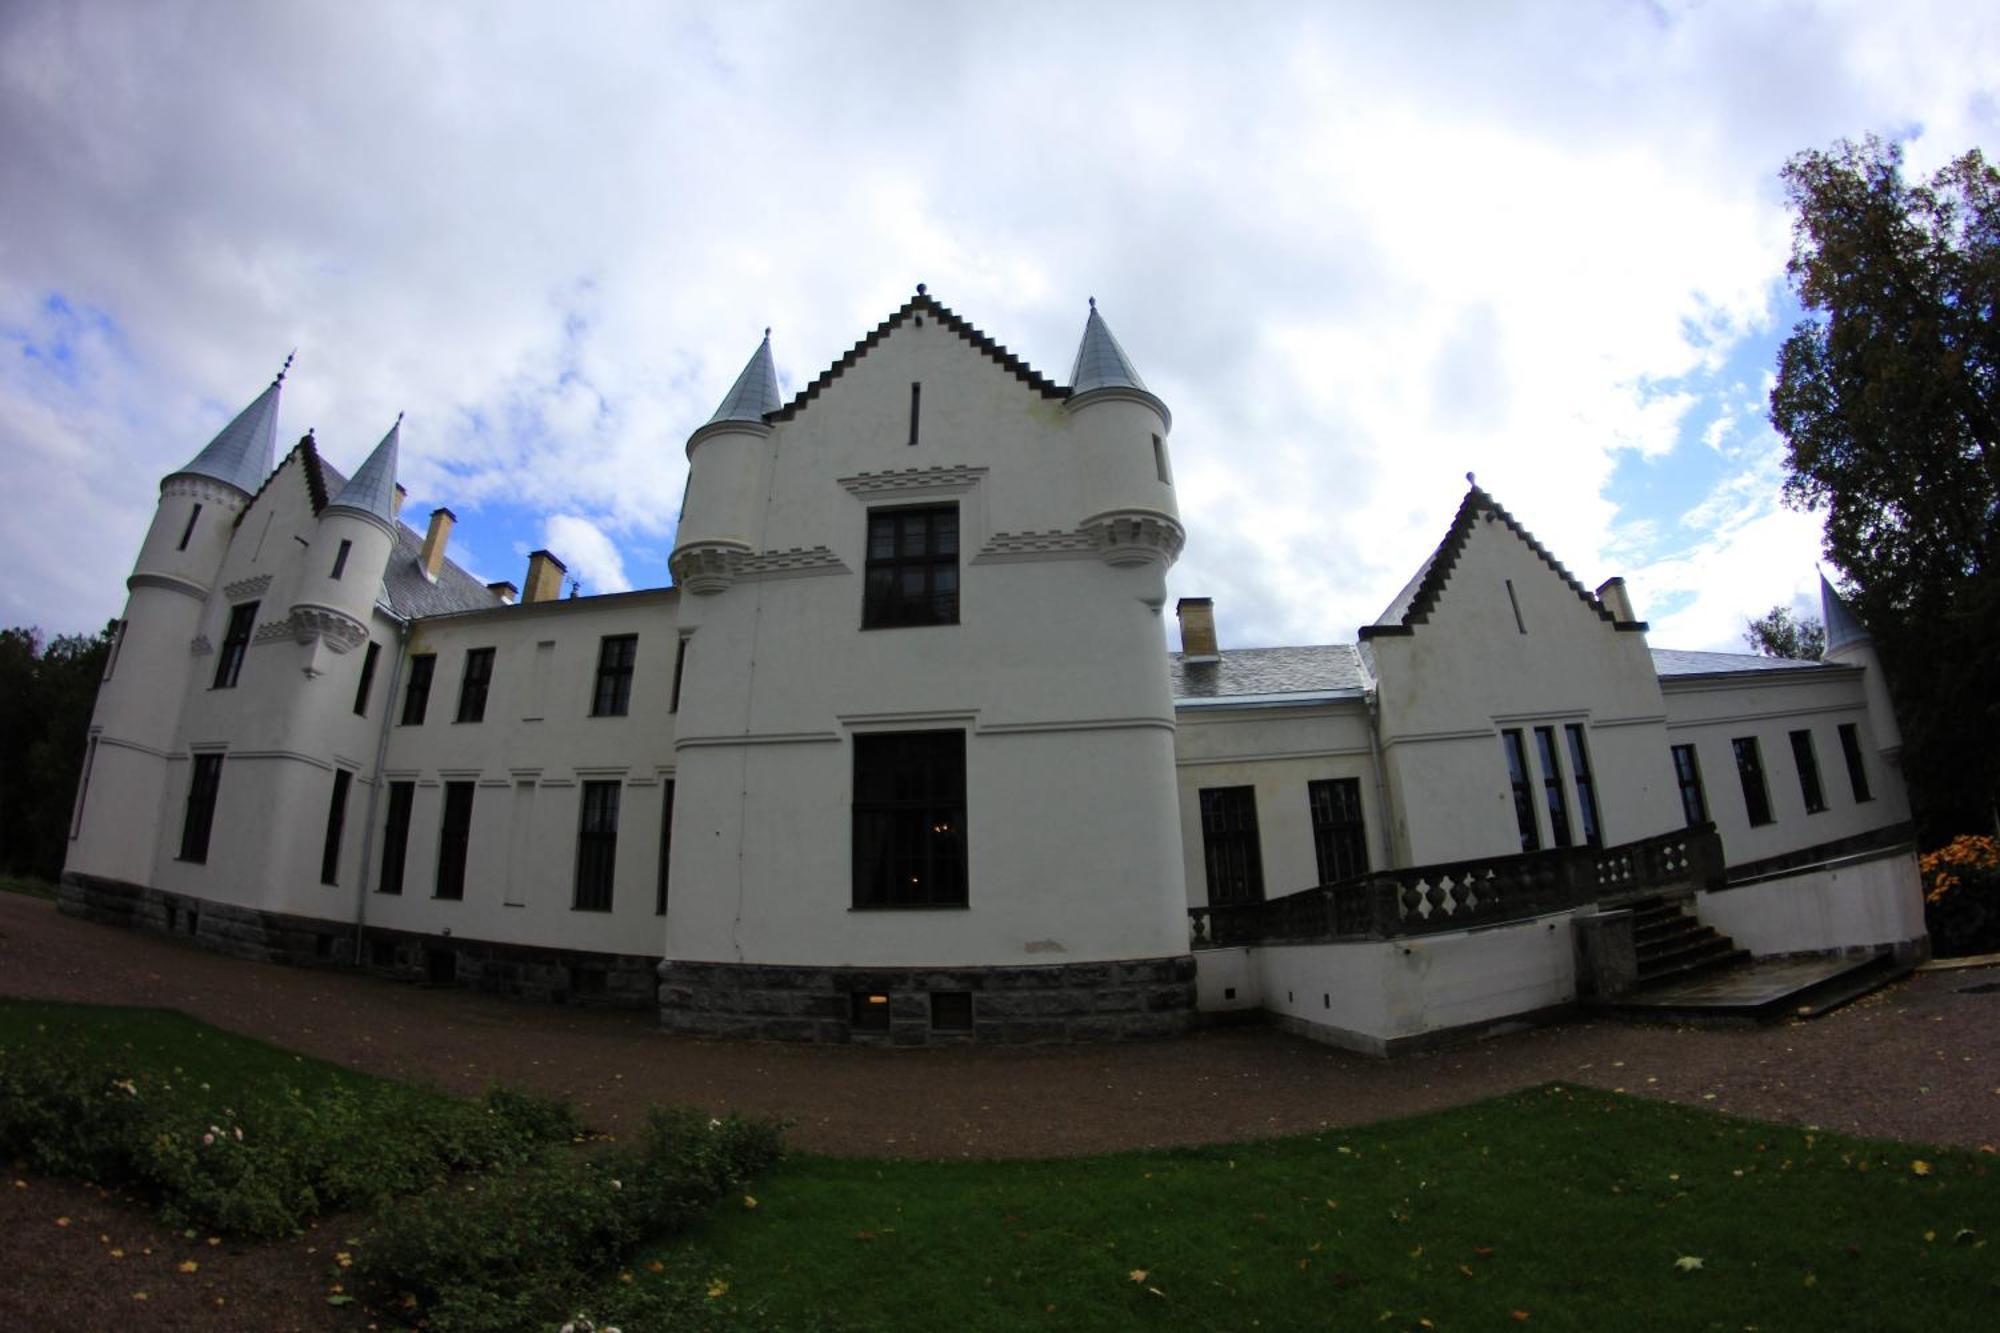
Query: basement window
x,y
951,1011
869,1011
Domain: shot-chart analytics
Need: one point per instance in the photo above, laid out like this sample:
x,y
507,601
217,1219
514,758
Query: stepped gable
x,y
924,304
1418,599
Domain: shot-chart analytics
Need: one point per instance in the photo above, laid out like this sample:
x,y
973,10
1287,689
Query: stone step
x,y
1704,946
1681,971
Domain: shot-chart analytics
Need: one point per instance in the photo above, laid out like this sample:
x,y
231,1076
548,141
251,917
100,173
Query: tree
x,y
1888,398
46,697
1778,633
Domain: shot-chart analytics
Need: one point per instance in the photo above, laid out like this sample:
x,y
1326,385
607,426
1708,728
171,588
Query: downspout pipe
x,y
375,783
1389,838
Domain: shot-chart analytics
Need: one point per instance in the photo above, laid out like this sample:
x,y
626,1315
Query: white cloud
x,y
591,556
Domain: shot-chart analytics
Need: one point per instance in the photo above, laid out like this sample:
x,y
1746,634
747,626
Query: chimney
x,y
432,556
396,505
1611,593
505,591
545,578
1197,615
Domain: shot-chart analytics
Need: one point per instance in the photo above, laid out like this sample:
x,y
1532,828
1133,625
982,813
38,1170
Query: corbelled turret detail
x,y
725,462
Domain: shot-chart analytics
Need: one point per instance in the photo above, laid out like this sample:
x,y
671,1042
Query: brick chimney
x,y
545,577
1611,593
432,556
396,505
505,591
1197,616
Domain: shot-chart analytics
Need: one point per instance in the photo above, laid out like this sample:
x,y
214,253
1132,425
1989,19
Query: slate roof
x,y
1843,628
917,307
241,455
408,593
755,393
371,492
1100,362
1669,662
1255,671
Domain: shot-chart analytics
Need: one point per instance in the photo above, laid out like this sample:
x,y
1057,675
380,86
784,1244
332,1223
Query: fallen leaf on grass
x,y
1920,1167
1520,1316
749,1202
1137,1275
62,1221
189,1266
716,1288
1483,1251
1687,1263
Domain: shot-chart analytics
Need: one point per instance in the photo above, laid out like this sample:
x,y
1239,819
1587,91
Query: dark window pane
x,y
1524,800
417,696
909,819
235,642
1807,763
912,571
615,657
396,836
1230,847
204,781
597,846
1857,772
336,823
368,660
1750,772
1586,786
1340,842
454,839
1694,804
474,684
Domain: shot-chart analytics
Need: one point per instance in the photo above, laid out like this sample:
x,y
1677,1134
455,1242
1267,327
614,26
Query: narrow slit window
x,y
187,533
916,409
1750,772
118,628
203,784
340,558
1586,787
417,694
235,642
454,839
1807,763
1552,786
336,825
1857,772
596,847
83,789
396,836
680,669
1524,797
1687,773
666,847
1160,460
368,660
1515,602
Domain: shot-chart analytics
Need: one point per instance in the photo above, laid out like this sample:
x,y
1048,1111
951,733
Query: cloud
x,y
591,556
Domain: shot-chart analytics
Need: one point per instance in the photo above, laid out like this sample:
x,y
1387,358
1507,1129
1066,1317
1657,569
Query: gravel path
x,y
1918,1061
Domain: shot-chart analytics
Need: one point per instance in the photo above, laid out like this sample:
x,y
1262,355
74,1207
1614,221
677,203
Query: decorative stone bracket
x,y
706,568
1125,537
321,630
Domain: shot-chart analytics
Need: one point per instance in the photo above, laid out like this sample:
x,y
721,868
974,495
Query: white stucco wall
x,y
1854,903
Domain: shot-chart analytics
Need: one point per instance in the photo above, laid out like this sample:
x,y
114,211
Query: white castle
x,y
902,755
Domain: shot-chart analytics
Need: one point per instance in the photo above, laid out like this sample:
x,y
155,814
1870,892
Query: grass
x,y
1562,1208
27,885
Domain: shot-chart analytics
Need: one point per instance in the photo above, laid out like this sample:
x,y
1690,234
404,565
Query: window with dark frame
x,y
912,572
340,558
454,839
204,781
188,531
616,654
1807,762
1586,785
1524,797
680,669
1857,772
1340,842
417,693
909,819
368,660
951,1011
82,789
1233,856
1552,786
916,410
474,684
235,642
596,847
396,836
1750,772
336,823
118,628
1160,460
1687,773
666,847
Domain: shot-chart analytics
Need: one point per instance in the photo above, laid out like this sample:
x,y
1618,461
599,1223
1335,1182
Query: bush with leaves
x,y
511,1252
1962,896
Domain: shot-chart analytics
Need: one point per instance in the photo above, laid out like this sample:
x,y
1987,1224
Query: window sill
x,y
911,907
597,911
914,624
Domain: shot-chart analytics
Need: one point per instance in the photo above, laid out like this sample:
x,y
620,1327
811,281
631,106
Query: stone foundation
x,y
931,1006
559,976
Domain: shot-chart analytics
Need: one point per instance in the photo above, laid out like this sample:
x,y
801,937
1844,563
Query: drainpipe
x,y
1381,777
375,785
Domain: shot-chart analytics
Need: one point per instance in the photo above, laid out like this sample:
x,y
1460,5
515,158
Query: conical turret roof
x,y
246,450
755,392
1101,364
371,491
1843,630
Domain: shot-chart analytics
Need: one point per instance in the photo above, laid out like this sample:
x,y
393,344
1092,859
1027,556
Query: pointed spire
x,y
1843,629
371,491
246,450
1102,364
755,392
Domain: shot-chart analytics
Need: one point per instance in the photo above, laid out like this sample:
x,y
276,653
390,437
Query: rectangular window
x,y
417,694
1524,796
615,655
916,410
203,784
1552,786
1750,771
912,568
396,836
235,642
368,660
1586,786
1808,765
1339,840
1235,860
680,669
1857,772
336,823
188,531
666,848
951,1011
909,819
1694,804
83,789
454,839
1160,460
473,685
340,558
1515,602
597,847
118,628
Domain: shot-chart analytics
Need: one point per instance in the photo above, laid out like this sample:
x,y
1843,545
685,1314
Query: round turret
x,y
1121,430
725,474
343,576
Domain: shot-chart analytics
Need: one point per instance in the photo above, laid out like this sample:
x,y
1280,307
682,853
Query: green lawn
x,y
1562,1208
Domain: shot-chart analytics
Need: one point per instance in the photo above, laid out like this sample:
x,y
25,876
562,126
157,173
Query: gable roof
x,y
916,307
1419,597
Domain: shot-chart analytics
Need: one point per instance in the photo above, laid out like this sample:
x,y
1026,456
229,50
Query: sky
x,y
1360,250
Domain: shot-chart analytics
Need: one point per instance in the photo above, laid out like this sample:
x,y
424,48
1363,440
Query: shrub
x,y
1962,896
506,1253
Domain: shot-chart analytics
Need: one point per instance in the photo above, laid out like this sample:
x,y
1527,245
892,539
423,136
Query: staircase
x,y
1673,944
